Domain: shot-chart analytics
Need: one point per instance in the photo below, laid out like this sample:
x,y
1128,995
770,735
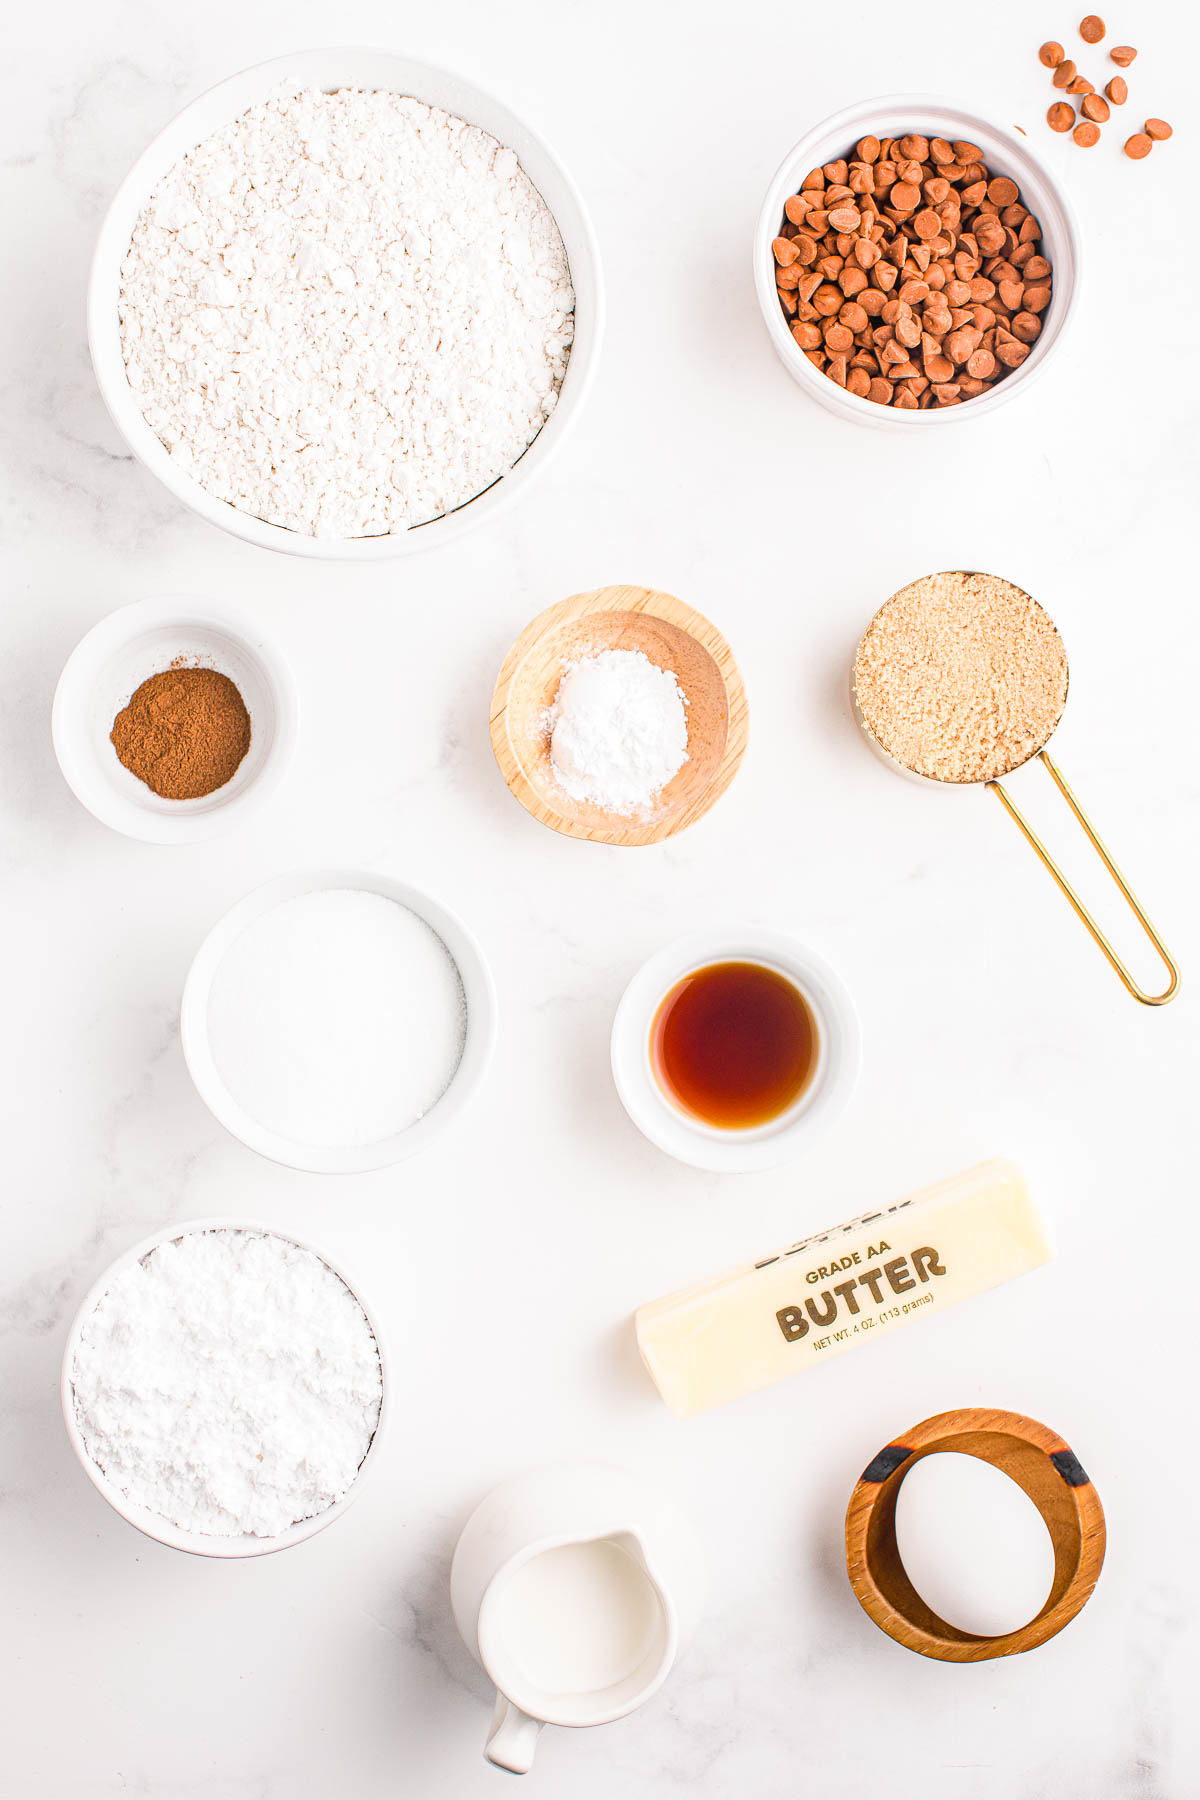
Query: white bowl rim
x,y
81,666
109,368
152,1524
823,1100
852,118
478,988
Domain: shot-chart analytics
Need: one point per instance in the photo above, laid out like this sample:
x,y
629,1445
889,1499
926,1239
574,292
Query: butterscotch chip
x,y
905,195
1080,85
1011,352
1122,55
807,336
1066,71
845,218
795,207
1051,54
1158,129
1117,90
838,337
1095,107
981,364
858,382
880,391
1036,269
1086,134
1061,117
1091,29
854,316
940,151
1002,191
1138,145
914,147
867,149
784,251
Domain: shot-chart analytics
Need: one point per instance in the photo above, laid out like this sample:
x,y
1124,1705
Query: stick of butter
x,y
845,1286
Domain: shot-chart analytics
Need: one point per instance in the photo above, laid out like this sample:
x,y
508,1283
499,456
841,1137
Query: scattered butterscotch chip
x,y
1061,117
1086,134
1051,54
1091,29
1138,145
1122,55
1080,85
1158,129
1065,72
1117,90
1095,106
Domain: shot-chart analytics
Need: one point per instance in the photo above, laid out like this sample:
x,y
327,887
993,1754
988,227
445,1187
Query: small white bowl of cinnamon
x,y
172,721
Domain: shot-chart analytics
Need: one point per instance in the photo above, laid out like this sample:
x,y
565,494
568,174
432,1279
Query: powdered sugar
x,y
346,313
618,730
229,1382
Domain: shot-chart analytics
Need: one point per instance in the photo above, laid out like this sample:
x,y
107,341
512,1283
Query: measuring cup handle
x,y
1081,910
512,1737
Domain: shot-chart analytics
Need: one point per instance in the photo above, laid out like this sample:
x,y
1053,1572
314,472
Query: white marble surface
x,y
507,1261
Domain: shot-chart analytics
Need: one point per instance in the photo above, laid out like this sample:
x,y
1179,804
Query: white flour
x,y
346,313
618,730
337,1018
229,1382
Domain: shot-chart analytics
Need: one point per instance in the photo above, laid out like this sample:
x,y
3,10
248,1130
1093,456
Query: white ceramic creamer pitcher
x,y
574,1586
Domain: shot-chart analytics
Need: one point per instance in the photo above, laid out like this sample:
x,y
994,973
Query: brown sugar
x,y
961,677
184,732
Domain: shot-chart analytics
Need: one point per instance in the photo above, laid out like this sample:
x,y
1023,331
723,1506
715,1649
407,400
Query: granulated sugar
x,y
229,1382
337,1018
961,677
346,313
618,730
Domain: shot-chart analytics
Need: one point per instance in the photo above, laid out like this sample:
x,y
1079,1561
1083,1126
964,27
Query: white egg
x,y
973,1544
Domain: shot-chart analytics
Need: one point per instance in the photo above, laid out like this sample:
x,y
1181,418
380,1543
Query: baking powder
x,y
337,1018
346,313
229,1382
618,730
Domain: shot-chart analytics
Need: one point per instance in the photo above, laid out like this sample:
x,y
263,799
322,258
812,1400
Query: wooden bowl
x,y
1039,1461
674,637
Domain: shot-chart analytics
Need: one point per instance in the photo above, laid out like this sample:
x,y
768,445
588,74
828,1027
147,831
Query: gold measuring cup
x,y
995,783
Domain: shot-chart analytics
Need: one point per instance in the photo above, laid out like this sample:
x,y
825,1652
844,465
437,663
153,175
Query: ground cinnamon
x,y
184,732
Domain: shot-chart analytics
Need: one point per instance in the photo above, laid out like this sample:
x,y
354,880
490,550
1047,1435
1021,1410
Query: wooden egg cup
x,y
1037,1460
673,636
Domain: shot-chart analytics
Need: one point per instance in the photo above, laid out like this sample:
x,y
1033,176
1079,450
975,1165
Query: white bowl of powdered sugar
x,y
224,1388
345,305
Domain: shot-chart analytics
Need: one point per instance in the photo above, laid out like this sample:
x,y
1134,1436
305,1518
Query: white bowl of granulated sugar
x,y
224,1388
345,305
337,1020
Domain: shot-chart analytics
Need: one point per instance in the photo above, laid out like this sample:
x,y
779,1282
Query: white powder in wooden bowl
x,y
961,677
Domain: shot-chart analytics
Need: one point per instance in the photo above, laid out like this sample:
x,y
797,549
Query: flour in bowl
x,y
229,1382
346,313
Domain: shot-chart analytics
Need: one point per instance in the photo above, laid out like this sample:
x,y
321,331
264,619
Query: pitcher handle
x,y
512,1737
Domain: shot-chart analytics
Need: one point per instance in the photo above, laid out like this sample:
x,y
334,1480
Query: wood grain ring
x,y
672,635
1039,1461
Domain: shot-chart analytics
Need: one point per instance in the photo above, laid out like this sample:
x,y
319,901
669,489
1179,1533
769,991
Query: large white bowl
x,y
331,69
1006,153
822,1101
337,1159
111,663
152,1523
